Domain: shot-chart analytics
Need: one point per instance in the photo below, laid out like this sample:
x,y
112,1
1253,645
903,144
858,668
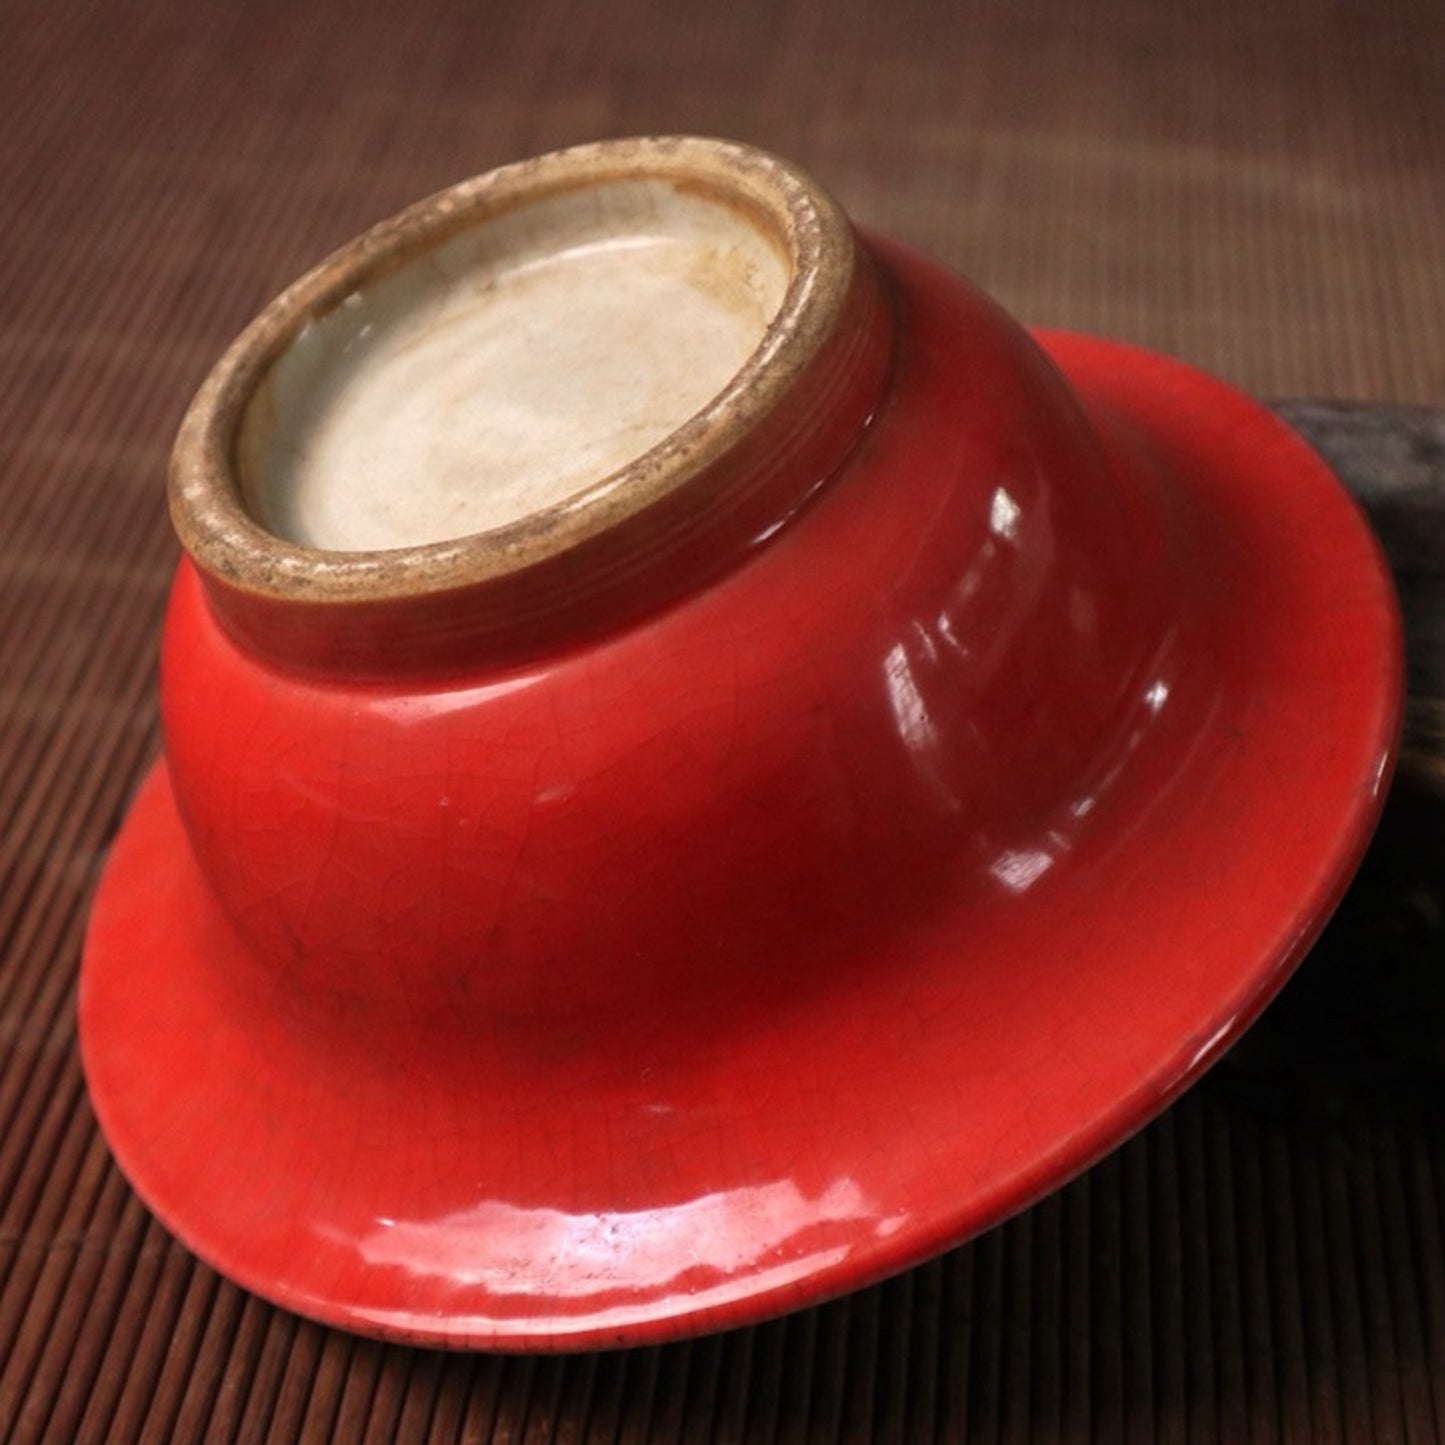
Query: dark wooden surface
x,y
1260,188
1394,459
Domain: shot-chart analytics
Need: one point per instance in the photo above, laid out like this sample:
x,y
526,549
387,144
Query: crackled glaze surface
x,y
815,920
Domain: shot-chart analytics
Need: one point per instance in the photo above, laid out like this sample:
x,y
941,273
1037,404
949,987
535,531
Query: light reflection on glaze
x,y
1003,515
565,1257
949,674
1019,868
916,729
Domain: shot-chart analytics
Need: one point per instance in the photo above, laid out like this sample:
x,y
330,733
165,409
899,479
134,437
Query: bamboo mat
x,y
1260,188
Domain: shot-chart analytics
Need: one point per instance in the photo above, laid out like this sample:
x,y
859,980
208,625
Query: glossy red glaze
x,y
793,931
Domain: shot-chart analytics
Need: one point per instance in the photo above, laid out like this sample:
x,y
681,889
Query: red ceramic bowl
x,y
770,863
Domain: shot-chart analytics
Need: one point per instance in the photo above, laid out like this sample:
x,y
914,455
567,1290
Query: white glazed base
x,y
513,368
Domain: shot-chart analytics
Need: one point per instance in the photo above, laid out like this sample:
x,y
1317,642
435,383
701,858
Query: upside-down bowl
x,y
703,763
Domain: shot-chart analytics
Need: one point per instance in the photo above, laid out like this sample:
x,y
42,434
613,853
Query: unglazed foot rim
x,y
223,504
